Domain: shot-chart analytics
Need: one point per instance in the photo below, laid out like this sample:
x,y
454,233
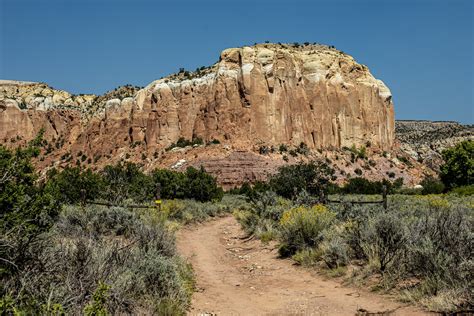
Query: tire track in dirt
x,y
237,276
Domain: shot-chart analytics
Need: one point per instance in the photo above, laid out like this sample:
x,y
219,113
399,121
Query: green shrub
x,y
97,306
464,190
253,192
193,184
440,247
431,186
201,186
405,160
307,257
123,181
357,152
120,182
283,148
383,239
172,184
261,214
88,248
361,185
334,249
302,149
335,252
306,199
183,142
302,227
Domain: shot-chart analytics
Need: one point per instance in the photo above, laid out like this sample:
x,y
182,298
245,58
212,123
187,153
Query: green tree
x,y
27,210
458,169
172,184
72,185
201,186
312,177
124,181
359,185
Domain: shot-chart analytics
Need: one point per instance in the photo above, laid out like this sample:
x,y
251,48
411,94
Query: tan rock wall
x,y
264,94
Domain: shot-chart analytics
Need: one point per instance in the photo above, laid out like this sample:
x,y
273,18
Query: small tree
x,y
26,209
201,186
172,184
126,181
458,169
312,177
73,185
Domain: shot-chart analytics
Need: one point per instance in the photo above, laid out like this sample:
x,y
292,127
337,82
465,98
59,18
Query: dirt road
x,y
236,276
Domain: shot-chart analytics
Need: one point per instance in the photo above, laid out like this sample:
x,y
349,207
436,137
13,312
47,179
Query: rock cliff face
x,y
271,94
263,95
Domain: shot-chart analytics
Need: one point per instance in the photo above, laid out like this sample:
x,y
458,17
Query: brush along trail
x,y
242,276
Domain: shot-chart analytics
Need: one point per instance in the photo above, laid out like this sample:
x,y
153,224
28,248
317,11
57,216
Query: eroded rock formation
x,y
263,95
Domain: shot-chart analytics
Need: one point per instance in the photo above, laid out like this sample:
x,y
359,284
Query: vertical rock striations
x,y
271,94
267,94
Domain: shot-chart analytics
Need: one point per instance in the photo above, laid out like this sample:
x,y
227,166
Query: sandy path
x,y
244,277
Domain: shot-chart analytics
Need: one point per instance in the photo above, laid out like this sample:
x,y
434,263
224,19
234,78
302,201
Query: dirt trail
x,y
236,276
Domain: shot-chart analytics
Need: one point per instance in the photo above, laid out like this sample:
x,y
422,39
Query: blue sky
x,y
422,49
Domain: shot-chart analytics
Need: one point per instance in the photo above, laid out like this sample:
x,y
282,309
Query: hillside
x,y
255,109
425,140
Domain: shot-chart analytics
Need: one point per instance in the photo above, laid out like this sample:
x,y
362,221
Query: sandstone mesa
x,y
261,95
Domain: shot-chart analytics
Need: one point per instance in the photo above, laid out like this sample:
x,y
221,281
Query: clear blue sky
x,y
422,49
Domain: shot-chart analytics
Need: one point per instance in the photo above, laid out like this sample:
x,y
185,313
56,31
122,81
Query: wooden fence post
x,y
322,197
158,197
384,196
83,198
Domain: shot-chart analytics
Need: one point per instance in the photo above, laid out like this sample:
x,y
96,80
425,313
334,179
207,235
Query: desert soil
x,y
241,276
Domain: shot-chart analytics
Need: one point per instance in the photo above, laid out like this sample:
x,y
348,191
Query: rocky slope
x,y
254,97
425,140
